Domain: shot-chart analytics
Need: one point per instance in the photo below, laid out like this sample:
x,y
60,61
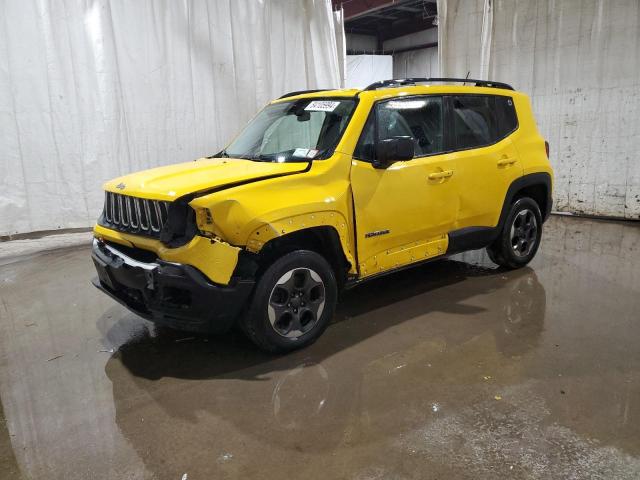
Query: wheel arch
x,y
322,239
534,185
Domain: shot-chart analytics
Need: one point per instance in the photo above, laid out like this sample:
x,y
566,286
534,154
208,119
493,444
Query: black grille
x,y
133,214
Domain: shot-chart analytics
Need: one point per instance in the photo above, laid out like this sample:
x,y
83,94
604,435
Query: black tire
x,y
519,239
309,288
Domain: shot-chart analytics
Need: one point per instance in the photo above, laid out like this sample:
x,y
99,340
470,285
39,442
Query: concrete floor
x,y
451,370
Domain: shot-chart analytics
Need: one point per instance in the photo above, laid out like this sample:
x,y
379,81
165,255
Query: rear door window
x,y
474,120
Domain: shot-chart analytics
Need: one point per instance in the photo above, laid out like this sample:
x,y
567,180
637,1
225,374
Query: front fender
x,y
250,215
285,226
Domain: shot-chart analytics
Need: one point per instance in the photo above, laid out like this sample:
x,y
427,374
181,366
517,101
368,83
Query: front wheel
x,y
520,236
293,302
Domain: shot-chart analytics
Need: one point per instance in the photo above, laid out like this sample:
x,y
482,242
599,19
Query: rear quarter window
x,y
507,117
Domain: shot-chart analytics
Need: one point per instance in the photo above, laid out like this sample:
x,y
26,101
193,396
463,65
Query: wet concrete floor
x,y
451,370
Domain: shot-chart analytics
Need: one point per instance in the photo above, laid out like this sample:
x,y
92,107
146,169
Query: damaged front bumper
x,y
172,294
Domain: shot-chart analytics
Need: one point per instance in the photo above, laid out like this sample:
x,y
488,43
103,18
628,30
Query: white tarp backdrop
x,y
417,63
341,44
579,60
93,89
414,63
363,70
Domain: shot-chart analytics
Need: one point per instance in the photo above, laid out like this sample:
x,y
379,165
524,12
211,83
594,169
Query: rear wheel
x,y
293,303
520,236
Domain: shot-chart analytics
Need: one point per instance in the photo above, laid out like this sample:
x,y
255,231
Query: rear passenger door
x,y
486,159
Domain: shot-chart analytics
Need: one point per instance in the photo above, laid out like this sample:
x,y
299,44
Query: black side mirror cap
x,y
394,149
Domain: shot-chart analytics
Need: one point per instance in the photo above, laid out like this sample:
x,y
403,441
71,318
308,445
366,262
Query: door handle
x,y
507,161
443,174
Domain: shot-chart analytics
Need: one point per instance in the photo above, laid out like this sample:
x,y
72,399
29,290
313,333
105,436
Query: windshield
x,y
295,131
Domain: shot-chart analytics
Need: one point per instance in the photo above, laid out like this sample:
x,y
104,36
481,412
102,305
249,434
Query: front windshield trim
x,y
312,97
321,155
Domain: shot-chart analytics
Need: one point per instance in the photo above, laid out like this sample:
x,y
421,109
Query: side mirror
x,y
393,150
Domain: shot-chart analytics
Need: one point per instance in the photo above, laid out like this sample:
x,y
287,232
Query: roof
x,y
394,91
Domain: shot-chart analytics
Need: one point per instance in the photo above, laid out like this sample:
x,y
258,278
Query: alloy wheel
x,y
524,233
296,302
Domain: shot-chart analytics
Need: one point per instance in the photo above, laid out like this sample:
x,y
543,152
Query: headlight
x,y
180,226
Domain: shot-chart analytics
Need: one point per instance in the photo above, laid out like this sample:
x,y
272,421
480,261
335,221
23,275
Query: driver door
x,y
404,210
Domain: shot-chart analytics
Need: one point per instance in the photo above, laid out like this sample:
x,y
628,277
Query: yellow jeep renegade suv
x,y
323,190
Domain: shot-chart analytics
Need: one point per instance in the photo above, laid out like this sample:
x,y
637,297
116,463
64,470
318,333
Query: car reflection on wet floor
x,y
455,369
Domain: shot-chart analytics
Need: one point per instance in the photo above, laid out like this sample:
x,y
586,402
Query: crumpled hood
x,y
173,181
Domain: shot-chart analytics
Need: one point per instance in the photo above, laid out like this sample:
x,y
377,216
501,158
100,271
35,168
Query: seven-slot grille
x,y
134,215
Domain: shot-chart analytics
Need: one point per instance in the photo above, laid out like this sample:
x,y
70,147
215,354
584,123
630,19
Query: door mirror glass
x,y
394,149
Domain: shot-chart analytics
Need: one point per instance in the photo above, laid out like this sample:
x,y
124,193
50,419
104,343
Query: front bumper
x,y
167,293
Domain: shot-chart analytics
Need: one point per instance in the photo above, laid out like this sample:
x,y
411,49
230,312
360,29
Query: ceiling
x,y
387,19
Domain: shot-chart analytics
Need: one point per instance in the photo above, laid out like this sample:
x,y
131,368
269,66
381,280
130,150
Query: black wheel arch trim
x,y
530,180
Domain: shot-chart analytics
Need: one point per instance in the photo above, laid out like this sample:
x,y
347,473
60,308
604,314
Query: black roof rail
x,y
300,92
414,81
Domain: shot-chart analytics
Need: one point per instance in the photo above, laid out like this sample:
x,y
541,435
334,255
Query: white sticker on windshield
x,y
312,153
300,152
322,106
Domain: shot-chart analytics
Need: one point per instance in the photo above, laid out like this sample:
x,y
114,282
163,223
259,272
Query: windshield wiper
x,y
220,154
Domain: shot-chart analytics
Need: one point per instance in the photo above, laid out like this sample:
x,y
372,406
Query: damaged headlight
x,y
180,226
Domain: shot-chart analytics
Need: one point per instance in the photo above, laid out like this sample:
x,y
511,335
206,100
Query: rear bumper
x,y
171,294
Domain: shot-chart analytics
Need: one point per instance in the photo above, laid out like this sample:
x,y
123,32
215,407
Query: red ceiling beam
x,y
354,8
